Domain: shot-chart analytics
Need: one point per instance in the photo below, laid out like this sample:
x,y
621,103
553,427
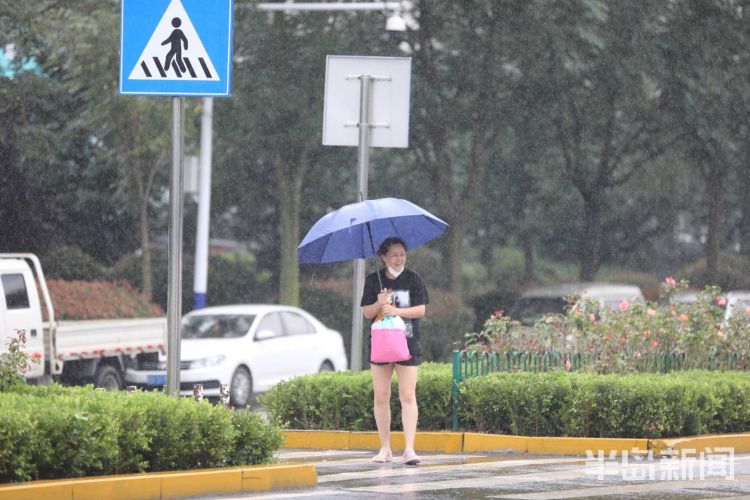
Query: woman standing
x,y
402,294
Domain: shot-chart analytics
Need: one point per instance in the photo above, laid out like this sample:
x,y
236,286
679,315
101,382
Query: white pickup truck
x,y
73,352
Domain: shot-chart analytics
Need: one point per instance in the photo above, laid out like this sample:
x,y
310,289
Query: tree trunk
x,y
455,255
146,282
289,176
744,226
715,194
529,266
591,238
289,262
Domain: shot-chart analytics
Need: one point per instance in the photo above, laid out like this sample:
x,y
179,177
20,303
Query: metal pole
x,y
174,251
200,283
363,164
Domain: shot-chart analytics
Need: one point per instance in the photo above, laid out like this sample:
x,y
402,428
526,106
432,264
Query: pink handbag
x,y
388,341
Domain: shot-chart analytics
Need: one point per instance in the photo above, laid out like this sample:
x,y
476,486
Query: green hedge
x,y
590,405
532,404
58,432
344,400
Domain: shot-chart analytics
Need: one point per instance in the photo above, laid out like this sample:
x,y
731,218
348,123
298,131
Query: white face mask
x,y
393,272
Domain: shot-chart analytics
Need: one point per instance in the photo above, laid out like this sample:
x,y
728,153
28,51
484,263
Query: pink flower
x,y
647,333
682,317
624,305
592,317
670,281
721,334
654,343
721,301
650,311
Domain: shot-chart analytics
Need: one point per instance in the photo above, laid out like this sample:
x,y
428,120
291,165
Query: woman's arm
x,y
414,312
384,299
370,311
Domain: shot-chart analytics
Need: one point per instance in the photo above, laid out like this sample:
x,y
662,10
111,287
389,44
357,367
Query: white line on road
x,y
432,469
621,490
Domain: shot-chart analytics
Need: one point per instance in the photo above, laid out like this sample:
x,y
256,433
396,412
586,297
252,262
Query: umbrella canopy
x,y
356,231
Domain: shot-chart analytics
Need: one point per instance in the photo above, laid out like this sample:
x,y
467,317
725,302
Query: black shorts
x,y
413,361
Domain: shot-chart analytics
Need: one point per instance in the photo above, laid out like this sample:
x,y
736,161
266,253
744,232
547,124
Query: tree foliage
x,y
584,133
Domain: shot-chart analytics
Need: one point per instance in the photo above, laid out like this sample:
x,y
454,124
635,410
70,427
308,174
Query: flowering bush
x,y
15,362
636,336
78,300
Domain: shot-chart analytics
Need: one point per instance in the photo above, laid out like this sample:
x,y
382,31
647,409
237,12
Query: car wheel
x,y
326,367
108,378
241,388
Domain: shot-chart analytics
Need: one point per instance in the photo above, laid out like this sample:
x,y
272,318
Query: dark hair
x,y
389,242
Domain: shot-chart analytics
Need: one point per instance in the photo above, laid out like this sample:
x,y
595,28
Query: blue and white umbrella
x,y
356,231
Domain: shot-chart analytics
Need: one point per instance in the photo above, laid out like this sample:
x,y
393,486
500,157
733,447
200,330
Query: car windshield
x,y
530,309
225,326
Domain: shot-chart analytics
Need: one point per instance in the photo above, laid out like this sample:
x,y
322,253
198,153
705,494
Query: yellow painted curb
x,y
163,485
62,490
371,441
580,446
739,442
468,442
474,442
320,440
200,482
280,477
446,442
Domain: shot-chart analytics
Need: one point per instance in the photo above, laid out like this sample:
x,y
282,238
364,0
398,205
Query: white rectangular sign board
x,y
389,106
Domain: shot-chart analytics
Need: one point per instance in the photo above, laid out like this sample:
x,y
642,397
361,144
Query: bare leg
x,y
407,386
381,384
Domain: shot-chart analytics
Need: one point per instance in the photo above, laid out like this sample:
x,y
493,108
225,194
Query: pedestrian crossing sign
x,y
176,47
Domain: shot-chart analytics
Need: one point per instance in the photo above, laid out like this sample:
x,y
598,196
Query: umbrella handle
x,y
374,260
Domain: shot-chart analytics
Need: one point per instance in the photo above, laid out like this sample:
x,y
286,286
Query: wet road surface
x,y
351,474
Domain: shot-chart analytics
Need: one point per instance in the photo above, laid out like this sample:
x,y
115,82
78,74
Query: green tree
x,y
707,49
608,114
269,132
76,44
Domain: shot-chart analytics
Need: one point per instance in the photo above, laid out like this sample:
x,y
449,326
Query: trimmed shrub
x,y
532,404
255,441
72,263
344,400
56,432
81,300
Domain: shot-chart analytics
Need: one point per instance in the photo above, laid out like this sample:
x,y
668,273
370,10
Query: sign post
x,y
176,48
379,88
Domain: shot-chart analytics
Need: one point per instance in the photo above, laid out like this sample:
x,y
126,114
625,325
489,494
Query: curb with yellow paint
x,y
467,442
739,442
251,479
162,485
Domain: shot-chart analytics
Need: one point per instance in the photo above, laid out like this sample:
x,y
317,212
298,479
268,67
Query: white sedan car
x,y
248,347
